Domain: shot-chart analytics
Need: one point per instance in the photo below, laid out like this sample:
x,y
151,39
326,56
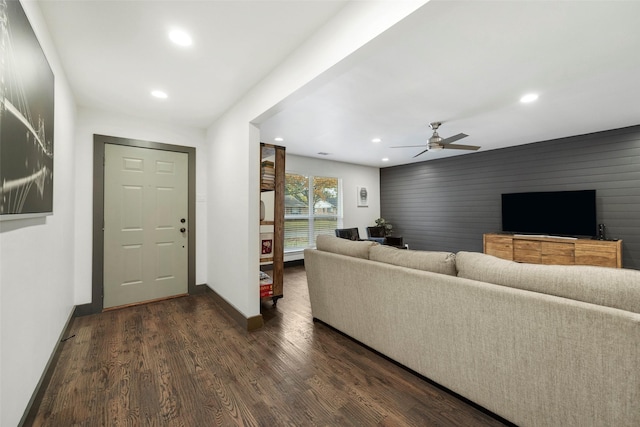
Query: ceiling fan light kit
x,y
435,140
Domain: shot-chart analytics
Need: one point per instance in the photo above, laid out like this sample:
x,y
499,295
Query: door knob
x,y
182,230
183,220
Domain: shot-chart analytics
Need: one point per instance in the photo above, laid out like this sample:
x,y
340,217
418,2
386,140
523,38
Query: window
x,y
310,213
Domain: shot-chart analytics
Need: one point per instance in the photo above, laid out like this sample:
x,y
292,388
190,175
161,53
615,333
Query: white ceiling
x,y
465,63
115,52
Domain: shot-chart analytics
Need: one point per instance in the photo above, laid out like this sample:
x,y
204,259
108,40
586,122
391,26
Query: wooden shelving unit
x,y
272,171
554,250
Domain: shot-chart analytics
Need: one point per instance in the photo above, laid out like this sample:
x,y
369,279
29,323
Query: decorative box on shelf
x,y
266,285
266,247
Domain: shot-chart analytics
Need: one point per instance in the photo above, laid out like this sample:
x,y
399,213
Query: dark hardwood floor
x,y
184,362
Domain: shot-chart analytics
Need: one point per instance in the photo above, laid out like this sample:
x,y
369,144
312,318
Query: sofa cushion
x,y
358,249
609,287
436,262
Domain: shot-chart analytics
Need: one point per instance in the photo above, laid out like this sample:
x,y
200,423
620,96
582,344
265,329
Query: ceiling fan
x,y
437,143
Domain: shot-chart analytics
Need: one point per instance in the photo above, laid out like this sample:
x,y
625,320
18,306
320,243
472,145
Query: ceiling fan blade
x,y
460,147
453,138
422,152
407,146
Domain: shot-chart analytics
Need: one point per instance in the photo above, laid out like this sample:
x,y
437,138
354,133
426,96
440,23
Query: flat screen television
x,y
554,213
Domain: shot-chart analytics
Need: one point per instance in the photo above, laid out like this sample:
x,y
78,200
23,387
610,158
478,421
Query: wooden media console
x,y
554,250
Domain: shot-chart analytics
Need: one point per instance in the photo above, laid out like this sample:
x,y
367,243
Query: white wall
x,y
233,185
36,262
92,122
352,176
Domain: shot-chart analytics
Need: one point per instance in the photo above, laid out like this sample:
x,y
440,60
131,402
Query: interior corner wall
x,y
234,188
92,122
352,176
36,262
448,204
232,199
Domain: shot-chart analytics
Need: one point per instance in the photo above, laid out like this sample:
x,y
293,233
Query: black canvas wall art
x,y
26,118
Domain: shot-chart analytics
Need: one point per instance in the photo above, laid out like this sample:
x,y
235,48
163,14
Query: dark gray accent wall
x,y
448,204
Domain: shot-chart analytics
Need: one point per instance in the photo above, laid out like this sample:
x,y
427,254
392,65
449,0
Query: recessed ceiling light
x,y
278,139
530,97
386,159
376,140
159,94
181,38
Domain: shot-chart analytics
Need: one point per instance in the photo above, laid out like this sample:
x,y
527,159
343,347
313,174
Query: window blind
x,y
310,213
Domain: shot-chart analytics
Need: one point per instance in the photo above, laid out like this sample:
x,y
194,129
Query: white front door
x,y
145,223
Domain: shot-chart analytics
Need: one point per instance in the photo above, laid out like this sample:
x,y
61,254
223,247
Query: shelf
x,y
272,188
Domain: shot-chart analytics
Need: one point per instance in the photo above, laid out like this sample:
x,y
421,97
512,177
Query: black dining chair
x,y
376,234
395,241
348,233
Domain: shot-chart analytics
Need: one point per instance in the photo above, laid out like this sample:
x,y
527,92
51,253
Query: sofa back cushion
x,y
358,249
436,262
610,287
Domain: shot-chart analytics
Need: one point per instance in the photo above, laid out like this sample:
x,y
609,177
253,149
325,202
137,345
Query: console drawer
x,y
599,253
558,253
499,246
527,251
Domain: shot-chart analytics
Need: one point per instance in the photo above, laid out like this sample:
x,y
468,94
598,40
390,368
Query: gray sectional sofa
x,y
538,345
